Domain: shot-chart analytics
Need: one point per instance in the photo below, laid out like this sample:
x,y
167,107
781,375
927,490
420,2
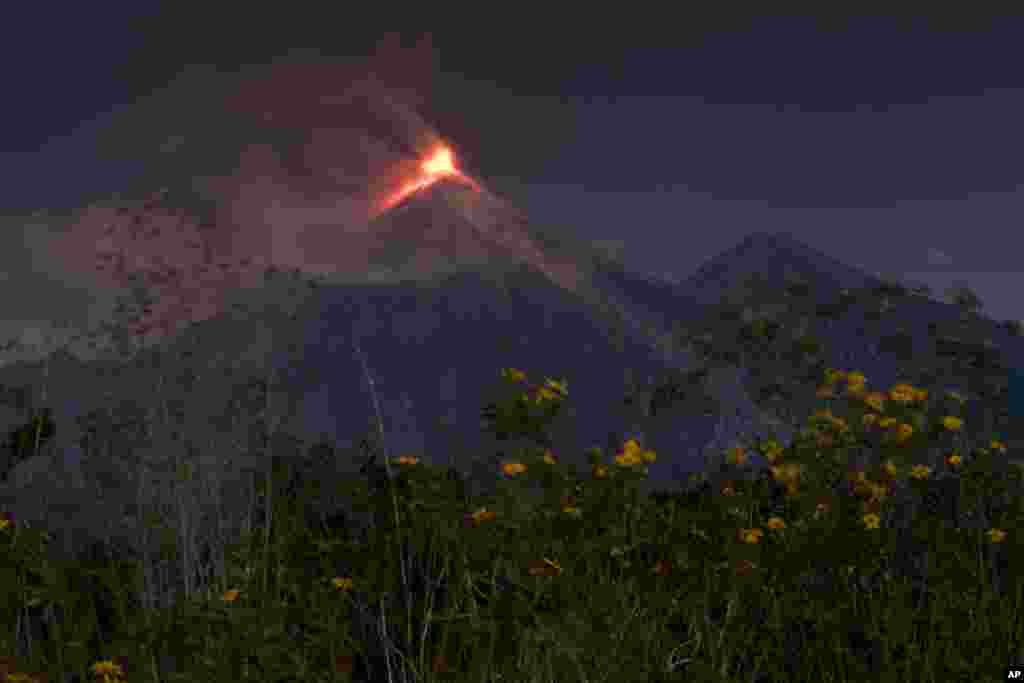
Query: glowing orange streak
x,y
439,165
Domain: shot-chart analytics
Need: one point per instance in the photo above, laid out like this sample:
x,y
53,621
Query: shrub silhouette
x,y
22,443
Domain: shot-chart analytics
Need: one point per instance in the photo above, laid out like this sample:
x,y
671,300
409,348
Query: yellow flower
x,y
954,459
547,394
776,523
108,671
876,400
513,375
996,535
833,376
872,521
856,378
998,446
890,468
343,584
482,515
869,419
751,536
920,471
903,393
952,423
787,472
627,459
887,422
904,432
549,457
562,388
512,468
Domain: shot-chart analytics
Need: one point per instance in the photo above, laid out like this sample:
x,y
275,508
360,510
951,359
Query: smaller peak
x,y
770,237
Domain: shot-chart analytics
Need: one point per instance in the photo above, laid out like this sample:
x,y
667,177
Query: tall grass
x,y
882,543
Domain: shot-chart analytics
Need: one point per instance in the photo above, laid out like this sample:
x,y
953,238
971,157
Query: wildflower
x,y
107,671
921,395
856,378
952,423
549,457
551,391
600,471
751,536
920,471
513,468
627,458
887,422
890,468
954,459
17,677
405,460
833,376
6,521
869,419
342,584
230,596
998,446
776,523
876,400
555,390
996,535
569,506
904,432
903,393
480,516
872,521
786,472
513,375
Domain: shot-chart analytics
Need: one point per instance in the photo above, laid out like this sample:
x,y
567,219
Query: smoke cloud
x,y
322,142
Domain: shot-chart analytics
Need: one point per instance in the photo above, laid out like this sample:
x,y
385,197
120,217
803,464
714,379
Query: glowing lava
x,y
439,165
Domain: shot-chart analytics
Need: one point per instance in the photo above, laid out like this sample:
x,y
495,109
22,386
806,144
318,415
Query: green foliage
x,y
797,572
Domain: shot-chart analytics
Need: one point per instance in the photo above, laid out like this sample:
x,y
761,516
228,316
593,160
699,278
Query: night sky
x,y
892,144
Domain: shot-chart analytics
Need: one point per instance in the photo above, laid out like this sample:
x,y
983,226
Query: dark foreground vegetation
x,y
881,543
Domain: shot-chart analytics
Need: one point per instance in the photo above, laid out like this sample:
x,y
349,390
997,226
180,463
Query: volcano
x,y
451,225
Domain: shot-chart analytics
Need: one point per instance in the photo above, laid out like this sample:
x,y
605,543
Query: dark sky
x,y
892,144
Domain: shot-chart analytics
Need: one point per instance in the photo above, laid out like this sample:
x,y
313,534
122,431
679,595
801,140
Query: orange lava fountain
x,y
439,165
